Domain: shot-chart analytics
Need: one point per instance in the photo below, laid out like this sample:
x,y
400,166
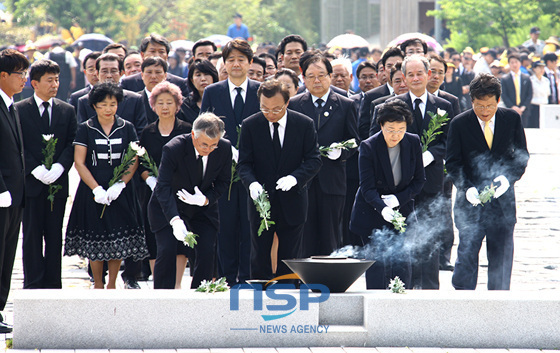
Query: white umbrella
x,y
429,40
219,39
348,41
185,44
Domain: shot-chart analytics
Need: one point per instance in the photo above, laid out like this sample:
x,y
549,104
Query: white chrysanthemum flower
x,y
135,146
441,112
48,137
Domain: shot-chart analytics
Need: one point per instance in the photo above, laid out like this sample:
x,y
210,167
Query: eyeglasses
x,y
487,107
273,111
394,132
23,74
321,77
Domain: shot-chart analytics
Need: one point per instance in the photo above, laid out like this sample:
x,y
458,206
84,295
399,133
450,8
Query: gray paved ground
x,y
536,261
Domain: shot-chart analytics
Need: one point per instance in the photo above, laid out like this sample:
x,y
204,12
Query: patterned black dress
x,y
119,234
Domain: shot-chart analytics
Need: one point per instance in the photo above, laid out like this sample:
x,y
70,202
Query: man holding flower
x,y
45,120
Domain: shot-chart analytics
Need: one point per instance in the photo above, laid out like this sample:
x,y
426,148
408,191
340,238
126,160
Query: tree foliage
x,y
506,23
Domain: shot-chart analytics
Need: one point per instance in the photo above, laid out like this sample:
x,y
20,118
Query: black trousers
x,y
289,244
10,221
425,264
234,240
165,269
499,247
42,266
447,235
323,228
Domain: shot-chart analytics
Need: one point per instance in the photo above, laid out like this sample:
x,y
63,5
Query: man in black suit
x,y
13,75
154,45
517,89
551,72
391,57
438,67
234,100
110,69
154,70
91,75
278,153
41,115
335,121
194,172
416,69
486,146
290,50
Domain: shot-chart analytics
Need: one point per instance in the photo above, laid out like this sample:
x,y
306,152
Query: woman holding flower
x,y
391,175
107,226
165,100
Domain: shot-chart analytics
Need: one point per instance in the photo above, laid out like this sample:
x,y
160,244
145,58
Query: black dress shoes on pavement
x,y
130,283
446,266
5,328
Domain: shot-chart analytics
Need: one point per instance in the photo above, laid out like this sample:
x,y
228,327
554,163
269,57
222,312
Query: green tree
x,y
489,23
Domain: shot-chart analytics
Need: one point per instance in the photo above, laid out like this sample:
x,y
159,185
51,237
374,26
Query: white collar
x,y
39,101
232,87
282,121
423,97
7,99
324,98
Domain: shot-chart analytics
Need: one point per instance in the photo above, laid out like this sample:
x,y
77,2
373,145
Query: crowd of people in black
x,y
338,146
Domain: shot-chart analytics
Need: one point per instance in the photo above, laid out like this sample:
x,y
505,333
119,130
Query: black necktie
x,y
199,169
238,105
276,142
45,116
417,113
319,111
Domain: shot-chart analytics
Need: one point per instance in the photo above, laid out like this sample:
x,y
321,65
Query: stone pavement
x,y
536,261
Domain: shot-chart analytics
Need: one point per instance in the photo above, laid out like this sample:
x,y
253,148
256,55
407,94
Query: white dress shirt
x,y
281,128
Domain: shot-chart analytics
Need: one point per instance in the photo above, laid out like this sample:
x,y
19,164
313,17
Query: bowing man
x,y
278,152
335,121
42,114
486,146
194,172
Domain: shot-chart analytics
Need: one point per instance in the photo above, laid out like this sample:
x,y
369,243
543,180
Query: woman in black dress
x,y
165,100
100,145
201,74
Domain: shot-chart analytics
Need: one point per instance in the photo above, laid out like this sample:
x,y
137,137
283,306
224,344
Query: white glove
x,y
151,181
504,186
100,195
388,214
234,154
472,196
56,171
114,191
335,153
391,201
286,183
196,199
427,158
255,189
179,228
5,199
39,173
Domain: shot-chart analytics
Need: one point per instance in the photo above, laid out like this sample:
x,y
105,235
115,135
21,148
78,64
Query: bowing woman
x,y
100,145
165,100
391,174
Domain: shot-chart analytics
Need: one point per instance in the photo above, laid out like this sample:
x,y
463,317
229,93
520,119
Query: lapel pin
x,y
326,113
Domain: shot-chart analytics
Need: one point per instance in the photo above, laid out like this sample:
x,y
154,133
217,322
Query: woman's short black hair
x,y
290,73
394,111
103,90
204,66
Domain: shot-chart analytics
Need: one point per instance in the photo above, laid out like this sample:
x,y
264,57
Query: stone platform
x,y
172,319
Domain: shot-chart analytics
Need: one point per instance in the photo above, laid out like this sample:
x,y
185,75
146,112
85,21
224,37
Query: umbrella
x,y
93,41
47,42
185,44
219,39
429,40
348,41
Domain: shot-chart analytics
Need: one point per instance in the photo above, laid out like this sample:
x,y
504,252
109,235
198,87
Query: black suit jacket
x,y
216,99
553,98
73,100
151,116
434,171
364,116
376,179
134,83
303,89
526,94
63,126
451,99
130,109
176,172
12,162
471,164
336,124
299,157
374,128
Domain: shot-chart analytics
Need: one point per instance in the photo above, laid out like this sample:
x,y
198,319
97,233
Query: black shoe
x,y
5,328
131,284
446,266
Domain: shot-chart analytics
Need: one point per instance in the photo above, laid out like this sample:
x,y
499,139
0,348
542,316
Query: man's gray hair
x,y
210,124
416,58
